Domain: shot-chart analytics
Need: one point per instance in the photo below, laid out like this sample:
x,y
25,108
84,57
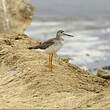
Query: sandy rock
x,y
25,80
15,15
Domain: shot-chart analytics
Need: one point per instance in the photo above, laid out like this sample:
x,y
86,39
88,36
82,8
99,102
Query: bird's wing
x,y
44,45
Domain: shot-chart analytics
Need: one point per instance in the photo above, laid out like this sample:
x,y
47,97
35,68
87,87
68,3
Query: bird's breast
x,y
55,47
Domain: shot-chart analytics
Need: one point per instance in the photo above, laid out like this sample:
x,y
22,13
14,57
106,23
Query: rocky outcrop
x,y
103,74
106,68
15,15
25,81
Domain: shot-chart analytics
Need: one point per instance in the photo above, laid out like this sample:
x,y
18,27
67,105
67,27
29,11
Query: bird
x,y
51,46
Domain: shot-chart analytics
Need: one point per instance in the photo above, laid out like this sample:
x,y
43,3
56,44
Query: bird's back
x,y
44,45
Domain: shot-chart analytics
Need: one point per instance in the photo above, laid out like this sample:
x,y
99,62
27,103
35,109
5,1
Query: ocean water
x,y
90,48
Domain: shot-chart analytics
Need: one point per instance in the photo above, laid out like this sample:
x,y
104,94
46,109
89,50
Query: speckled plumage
x,y
51,46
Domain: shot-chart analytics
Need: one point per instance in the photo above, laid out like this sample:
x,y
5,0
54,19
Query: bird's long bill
x,y
68,35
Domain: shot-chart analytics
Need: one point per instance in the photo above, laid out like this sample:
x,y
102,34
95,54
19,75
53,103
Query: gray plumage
x,y
52,45
44,45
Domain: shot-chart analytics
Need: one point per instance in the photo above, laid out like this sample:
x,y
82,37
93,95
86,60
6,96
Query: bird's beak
x,y
68,35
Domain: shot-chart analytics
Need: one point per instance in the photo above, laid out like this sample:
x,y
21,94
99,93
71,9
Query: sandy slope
x,y
25,81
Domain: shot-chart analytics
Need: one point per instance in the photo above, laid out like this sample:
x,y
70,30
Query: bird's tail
x,y
35,47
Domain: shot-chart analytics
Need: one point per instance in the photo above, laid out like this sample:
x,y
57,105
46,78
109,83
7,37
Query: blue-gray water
x,y
88,20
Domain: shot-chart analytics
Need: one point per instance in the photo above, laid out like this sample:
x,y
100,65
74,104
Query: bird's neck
x,y
59,37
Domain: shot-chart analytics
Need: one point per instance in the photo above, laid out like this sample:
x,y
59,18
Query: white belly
x,y
54,48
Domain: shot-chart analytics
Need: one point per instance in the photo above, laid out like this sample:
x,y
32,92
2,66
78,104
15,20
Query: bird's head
x,y
61,33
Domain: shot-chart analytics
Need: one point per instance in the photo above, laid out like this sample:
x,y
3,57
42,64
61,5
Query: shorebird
x,y
52,45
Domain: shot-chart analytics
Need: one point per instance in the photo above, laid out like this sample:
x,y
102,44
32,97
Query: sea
x,y
87,20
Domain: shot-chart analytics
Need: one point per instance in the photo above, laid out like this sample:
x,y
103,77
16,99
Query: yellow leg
x,y
51,58
50,61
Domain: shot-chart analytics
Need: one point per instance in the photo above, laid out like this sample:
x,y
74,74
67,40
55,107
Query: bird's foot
x,y
52,66
50,69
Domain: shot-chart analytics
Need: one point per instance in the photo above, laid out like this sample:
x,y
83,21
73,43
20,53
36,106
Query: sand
x,y
27,83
